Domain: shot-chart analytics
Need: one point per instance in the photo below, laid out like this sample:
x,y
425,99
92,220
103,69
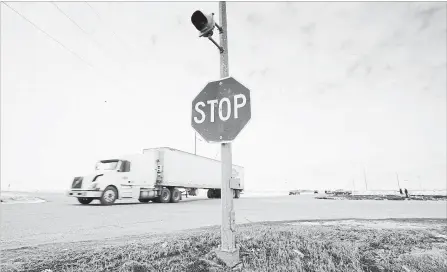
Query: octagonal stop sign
x,y
221,110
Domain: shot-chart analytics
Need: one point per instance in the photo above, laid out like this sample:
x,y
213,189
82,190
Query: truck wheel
x,y
109,196
165,195
85,200
217,193
237,193
210,194
175,195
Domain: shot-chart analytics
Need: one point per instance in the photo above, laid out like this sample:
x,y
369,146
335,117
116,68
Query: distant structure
x,y
306,192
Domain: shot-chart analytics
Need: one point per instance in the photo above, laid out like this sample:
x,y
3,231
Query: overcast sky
x,y
336,88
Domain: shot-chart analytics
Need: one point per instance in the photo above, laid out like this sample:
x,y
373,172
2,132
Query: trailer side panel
x,y
181,169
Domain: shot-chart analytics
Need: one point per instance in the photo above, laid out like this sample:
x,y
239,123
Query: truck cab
x,y
113,174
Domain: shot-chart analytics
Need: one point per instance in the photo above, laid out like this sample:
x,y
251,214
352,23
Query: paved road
x,y
62,219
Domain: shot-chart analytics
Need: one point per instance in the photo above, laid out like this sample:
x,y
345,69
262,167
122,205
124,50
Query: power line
x,y
121,66
69,18
48,35
118,38
99,17
83,31
94,10
57,41
123,43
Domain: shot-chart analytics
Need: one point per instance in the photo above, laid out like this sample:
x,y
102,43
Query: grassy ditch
x,y
360,245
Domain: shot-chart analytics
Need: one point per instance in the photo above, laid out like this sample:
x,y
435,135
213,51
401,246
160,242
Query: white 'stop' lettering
x,y
239,101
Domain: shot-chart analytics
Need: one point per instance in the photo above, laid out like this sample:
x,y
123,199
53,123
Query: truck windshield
x,y
107,165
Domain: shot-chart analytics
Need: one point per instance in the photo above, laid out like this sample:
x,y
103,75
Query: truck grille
x,y
77,183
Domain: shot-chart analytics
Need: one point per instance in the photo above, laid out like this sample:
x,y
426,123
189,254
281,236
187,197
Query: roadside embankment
x,y
337,245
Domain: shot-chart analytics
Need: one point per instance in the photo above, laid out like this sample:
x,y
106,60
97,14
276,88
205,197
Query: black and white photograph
x,y
257,136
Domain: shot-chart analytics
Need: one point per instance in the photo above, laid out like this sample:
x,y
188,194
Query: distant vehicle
x,y
338,192
300,192
342,192
157,174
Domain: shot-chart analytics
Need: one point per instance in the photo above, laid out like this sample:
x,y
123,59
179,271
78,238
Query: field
x,y
333,245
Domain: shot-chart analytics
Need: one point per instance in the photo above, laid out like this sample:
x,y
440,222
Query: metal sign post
x,y
228,251
219,113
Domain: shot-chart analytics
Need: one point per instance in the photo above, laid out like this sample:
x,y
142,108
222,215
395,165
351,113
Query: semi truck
x,y
159,175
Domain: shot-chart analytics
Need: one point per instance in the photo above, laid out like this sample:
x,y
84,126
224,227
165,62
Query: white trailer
x,y
157,174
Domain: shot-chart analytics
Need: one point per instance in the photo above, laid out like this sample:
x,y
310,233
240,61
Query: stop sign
x,y
221,110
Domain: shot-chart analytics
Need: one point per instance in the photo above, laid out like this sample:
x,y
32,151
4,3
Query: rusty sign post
x,y
219,113
228,251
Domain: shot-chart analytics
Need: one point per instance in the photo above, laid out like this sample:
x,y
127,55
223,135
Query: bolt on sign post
x,y
219,113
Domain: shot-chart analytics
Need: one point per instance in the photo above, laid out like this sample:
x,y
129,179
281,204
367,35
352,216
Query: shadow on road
x,y
183,201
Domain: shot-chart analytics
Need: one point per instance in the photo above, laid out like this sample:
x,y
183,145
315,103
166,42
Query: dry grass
x,y
263,247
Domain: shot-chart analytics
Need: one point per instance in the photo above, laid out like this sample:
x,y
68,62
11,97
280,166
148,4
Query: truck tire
x,y
237,194
210,194
165,196
217,193
109,196
175,195
85,200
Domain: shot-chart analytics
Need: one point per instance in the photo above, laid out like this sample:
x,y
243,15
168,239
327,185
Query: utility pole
x,y
228,250
195,143
225,130
364,175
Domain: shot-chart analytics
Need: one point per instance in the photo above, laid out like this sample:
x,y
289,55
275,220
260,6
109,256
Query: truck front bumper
x,y
84,193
